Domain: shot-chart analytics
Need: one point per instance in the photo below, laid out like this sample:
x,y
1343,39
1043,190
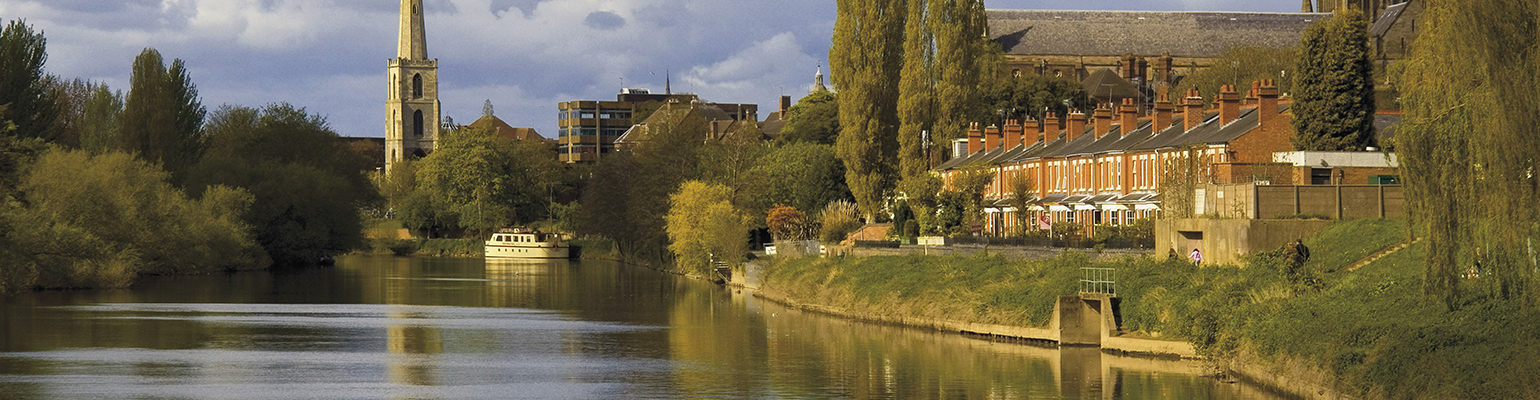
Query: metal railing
x,y
1098,280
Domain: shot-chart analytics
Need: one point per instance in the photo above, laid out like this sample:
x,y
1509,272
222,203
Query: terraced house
x,y
1107,169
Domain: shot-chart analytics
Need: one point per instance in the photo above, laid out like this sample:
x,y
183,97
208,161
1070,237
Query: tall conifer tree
x,y
916,98
162,119
22,91
1334,88
865,59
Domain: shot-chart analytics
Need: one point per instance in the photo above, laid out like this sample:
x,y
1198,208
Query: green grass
x,y
452,247
1372,328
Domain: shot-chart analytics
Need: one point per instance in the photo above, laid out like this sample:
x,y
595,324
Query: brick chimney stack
x,y
1034,132
1052,125
1267,105
1129,115
991,138
1162,114
1251,96
1012,133
1076,125
1192,116
975,138
1103,120
1229,104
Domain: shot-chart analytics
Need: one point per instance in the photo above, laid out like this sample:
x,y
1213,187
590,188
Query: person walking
x,y
1196,256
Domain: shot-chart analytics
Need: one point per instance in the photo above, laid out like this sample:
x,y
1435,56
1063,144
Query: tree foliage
x,y
1021,187
787,223
1334,87
815,118
489,180
162,120
23,92
916,92
308,184
1242,64
1470,145
100,220
628,195
971,180
703,226
837,221
99,120
1033,96
805,176
1180,172
958,27
865,59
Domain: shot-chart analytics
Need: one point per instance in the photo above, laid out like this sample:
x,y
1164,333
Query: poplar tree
x,y
162,119
958,27
916,99
1334,87
865,59
22,91
1469,143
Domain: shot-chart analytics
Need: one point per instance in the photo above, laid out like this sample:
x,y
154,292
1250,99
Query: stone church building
x,y
412,109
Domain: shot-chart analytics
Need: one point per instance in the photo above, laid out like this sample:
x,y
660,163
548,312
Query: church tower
x,y
412,108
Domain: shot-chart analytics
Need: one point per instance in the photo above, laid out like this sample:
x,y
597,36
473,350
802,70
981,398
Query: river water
x,y
431,328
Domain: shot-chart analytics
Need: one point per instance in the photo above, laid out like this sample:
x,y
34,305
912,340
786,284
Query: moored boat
x,y
523,244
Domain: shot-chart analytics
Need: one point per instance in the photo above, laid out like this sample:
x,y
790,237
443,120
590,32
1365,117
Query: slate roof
x,y
501,128
1143,137
1386,19
1194,34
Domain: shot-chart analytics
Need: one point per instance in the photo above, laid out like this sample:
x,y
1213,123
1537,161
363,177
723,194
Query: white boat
x,y
518,243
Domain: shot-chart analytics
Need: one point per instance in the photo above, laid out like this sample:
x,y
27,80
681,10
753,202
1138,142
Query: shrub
x,y
839,220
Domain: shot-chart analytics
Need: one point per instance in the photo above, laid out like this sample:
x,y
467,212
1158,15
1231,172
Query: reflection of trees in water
x,y
716,345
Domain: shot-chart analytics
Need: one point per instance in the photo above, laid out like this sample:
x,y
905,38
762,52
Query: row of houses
x,y
1107,168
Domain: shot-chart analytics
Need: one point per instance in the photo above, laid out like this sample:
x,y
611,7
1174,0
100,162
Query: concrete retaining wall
x,y
1229,241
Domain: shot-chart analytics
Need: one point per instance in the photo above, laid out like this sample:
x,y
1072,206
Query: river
x,y
378,327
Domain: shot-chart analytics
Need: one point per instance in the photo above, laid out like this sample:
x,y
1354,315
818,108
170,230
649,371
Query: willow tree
x,y
1334,85
1470,144
864,59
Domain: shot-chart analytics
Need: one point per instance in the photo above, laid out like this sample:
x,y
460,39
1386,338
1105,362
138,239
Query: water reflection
x,y
386,327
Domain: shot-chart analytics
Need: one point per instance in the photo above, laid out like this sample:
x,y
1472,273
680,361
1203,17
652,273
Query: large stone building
x,y
412,108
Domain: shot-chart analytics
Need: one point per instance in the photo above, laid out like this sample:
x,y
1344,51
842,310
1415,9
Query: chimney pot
x,y
1192,115
1129,115
991,138
1076,125
1162,114
1103,123
975,138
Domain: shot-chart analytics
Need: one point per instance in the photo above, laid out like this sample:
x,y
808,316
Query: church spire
x,y
1306,7
413,44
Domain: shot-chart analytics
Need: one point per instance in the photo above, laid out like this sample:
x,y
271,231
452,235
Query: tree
x,y
162,120
1022,187
308,184
815,119
916,96
1034,96
69,98
491,181
786,223
23,92
1242,64
136,219
99,120
971,180
1334,87
628,196
1178,180
958,27
730,161
1469,144
804,176
865,59
703,226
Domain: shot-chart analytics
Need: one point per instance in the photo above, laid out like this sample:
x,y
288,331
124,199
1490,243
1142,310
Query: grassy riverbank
x,y
1370,332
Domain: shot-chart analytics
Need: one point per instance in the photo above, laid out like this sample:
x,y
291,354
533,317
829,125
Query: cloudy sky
x,y
524,56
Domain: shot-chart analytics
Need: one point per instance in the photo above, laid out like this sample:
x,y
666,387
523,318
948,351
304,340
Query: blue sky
x,y
523,55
